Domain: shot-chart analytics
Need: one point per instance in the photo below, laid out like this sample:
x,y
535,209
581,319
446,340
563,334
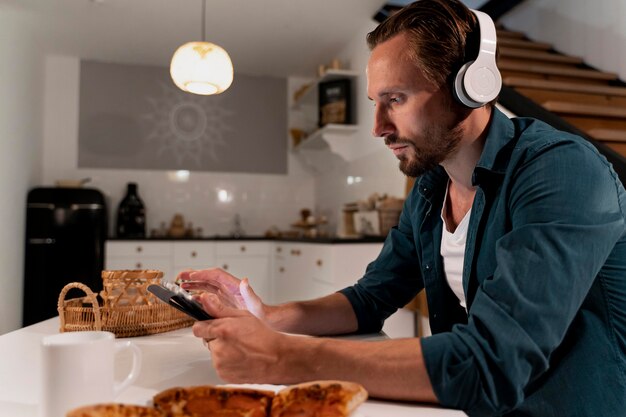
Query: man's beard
x,y
431,148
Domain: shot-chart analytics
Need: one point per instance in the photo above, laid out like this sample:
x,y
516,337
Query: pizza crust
x,y
114,410
328,398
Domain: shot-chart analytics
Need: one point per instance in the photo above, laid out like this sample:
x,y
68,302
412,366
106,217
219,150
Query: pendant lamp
x,y
202,67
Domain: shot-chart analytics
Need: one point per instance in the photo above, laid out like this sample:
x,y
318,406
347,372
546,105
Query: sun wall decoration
x,y
186,127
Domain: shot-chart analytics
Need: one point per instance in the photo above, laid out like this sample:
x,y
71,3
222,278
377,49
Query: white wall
x,y
375,167
592,30
20,155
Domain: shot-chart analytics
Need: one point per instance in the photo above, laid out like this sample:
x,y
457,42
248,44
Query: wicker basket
x,y
128,309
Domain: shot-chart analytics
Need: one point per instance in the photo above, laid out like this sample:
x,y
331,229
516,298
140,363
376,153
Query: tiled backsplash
x,y
209,200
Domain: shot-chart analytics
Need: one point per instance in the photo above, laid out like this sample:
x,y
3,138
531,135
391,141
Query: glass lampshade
x,y
201,68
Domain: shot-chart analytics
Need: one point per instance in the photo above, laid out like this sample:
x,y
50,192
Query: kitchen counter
x,y
175,358
334,240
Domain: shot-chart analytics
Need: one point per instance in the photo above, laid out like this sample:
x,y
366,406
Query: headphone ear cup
x,y
459,88
482,82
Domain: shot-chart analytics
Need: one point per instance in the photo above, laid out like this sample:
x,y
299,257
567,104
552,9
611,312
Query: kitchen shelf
x,y
309,97
339,138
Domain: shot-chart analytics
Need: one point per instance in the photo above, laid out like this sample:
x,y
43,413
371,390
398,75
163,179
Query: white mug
x,y
78,369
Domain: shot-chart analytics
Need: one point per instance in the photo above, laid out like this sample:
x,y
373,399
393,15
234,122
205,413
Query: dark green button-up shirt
x,y
544,277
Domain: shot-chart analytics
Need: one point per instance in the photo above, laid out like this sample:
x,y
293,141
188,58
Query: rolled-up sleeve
x,y
390,281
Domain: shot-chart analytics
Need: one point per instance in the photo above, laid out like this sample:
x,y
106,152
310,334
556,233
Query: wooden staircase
x,y
590,100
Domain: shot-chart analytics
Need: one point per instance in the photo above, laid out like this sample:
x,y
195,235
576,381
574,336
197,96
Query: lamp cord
x,y
203,21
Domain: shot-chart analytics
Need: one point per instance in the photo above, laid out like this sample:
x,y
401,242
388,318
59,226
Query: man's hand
x,y
243,348
232,292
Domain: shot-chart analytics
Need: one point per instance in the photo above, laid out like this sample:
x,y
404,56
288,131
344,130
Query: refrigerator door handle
x,y
42,241
86,207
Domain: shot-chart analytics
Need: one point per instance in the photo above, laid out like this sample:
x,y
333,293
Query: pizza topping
x,y
208,401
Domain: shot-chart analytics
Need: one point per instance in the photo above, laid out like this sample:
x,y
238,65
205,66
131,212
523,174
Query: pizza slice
x,y
212,401
114,410
318,399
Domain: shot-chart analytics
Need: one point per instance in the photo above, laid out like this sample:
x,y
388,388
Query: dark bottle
x,y
131,215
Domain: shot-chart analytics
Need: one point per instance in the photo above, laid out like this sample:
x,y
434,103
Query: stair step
x,y
609,135
504,33
585,109
585,123
541,96
522,43
539,55
546,69
564,86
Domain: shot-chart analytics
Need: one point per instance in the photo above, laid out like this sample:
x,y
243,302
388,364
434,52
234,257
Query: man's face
x,y
414,116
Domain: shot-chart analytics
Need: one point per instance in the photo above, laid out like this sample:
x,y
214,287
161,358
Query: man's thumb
x,y
253,301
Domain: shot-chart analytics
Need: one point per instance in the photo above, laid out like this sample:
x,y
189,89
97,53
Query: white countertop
x,y
170,359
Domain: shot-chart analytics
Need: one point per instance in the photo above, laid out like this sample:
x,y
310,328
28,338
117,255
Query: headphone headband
x,y
478,82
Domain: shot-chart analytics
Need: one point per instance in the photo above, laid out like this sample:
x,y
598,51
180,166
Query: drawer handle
x,y
295,252
281,269
225,267
243,248
138,265
139,249
194,254
279,249
319,262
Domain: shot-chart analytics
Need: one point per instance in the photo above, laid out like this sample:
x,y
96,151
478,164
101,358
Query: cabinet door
x,y
288,278
247,259
255,268
349,262
242,248
193,255
139,255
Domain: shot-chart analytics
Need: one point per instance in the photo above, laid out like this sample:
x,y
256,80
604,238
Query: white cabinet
x,y
139,255
310,270
278,271
248,259
241,258
305,271
193,255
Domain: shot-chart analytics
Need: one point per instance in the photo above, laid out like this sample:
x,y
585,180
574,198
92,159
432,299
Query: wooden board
x,y
578,87
538,55
542,96
608,135
522,43
583,109
553,69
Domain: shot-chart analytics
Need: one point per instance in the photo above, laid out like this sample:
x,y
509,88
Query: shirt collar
x,y
501,132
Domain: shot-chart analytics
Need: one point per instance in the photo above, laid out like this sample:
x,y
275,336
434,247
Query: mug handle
x,y
118,387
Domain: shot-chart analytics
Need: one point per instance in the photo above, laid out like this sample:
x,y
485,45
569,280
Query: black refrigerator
x,y
66,230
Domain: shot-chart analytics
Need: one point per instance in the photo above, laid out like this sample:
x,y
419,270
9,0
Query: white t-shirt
x,y
453,252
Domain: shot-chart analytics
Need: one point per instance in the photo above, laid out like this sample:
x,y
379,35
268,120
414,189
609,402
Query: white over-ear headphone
x,y
479,81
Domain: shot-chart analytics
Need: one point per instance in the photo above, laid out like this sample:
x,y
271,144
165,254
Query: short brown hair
x,y
441,34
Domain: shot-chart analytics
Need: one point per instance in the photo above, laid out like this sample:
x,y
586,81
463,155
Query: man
x,y
516,232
